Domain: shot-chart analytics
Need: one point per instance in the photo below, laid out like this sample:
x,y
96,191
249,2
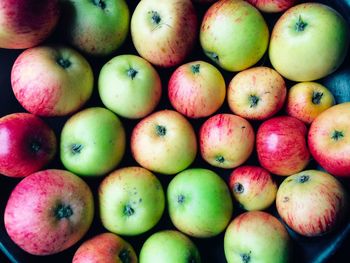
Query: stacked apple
x,y
174,132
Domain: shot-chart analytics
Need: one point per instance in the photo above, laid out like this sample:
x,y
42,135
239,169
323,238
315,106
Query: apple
x,y
129,86
257,236
48,212
306,100
164,142
27,144
199,203
253,187
106,248
169,246
226,140
339,84
311,202
96,27
329,140
92,142
27,23
196,89
281,145
272,6
257,93
224,34
164,32
131,201
52,80
309,42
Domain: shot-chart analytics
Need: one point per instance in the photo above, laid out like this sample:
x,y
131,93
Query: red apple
x,y
106,248
197,89
253,187
281,145
311,202
26,23
27,144
226,140
329,139
272,6
256,93
49,211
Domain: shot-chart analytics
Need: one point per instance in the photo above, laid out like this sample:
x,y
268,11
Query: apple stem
x,y
245,257
254,100
63,211
35,146
238,188
300,25
316,97
195,68
220,159
304,178
337,135
128,210
132,73
124,256
99,3
64,63
155,17
160,130
76,148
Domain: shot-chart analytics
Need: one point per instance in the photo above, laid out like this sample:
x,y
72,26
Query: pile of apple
x,y
286,124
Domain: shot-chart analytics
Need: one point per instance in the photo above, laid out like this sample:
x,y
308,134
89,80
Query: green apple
x,y
308,42
199,202
234,34
164,142
97,27
92,142
169,246
129,86
256,237
131,201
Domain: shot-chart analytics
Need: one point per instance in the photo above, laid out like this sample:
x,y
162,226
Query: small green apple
x,y
92,142
199,202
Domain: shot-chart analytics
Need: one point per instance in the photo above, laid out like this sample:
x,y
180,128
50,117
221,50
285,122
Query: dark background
x,y
305,249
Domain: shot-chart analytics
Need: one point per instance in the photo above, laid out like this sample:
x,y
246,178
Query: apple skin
x,y
27,23
129,86
27,144
256,93
92,142
196,89
311,202
253,187
257,236
199,203
164,32
49,211
105,30
272,6
281,145
105,248
131,201
226,140
306,100
308,42
329,140
164,142
52,80
224,38
169,246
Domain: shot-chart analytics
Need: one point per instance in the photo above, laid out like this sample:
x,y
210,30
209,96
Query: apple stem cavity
x,y
238,188
155,17
300,25
63,211
195,68
253,100
245,257
337,135
132,73
124,256
128,210
316,97
180,199
160,130
99,3
35,146
76,148
64,63
302,179
220,159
